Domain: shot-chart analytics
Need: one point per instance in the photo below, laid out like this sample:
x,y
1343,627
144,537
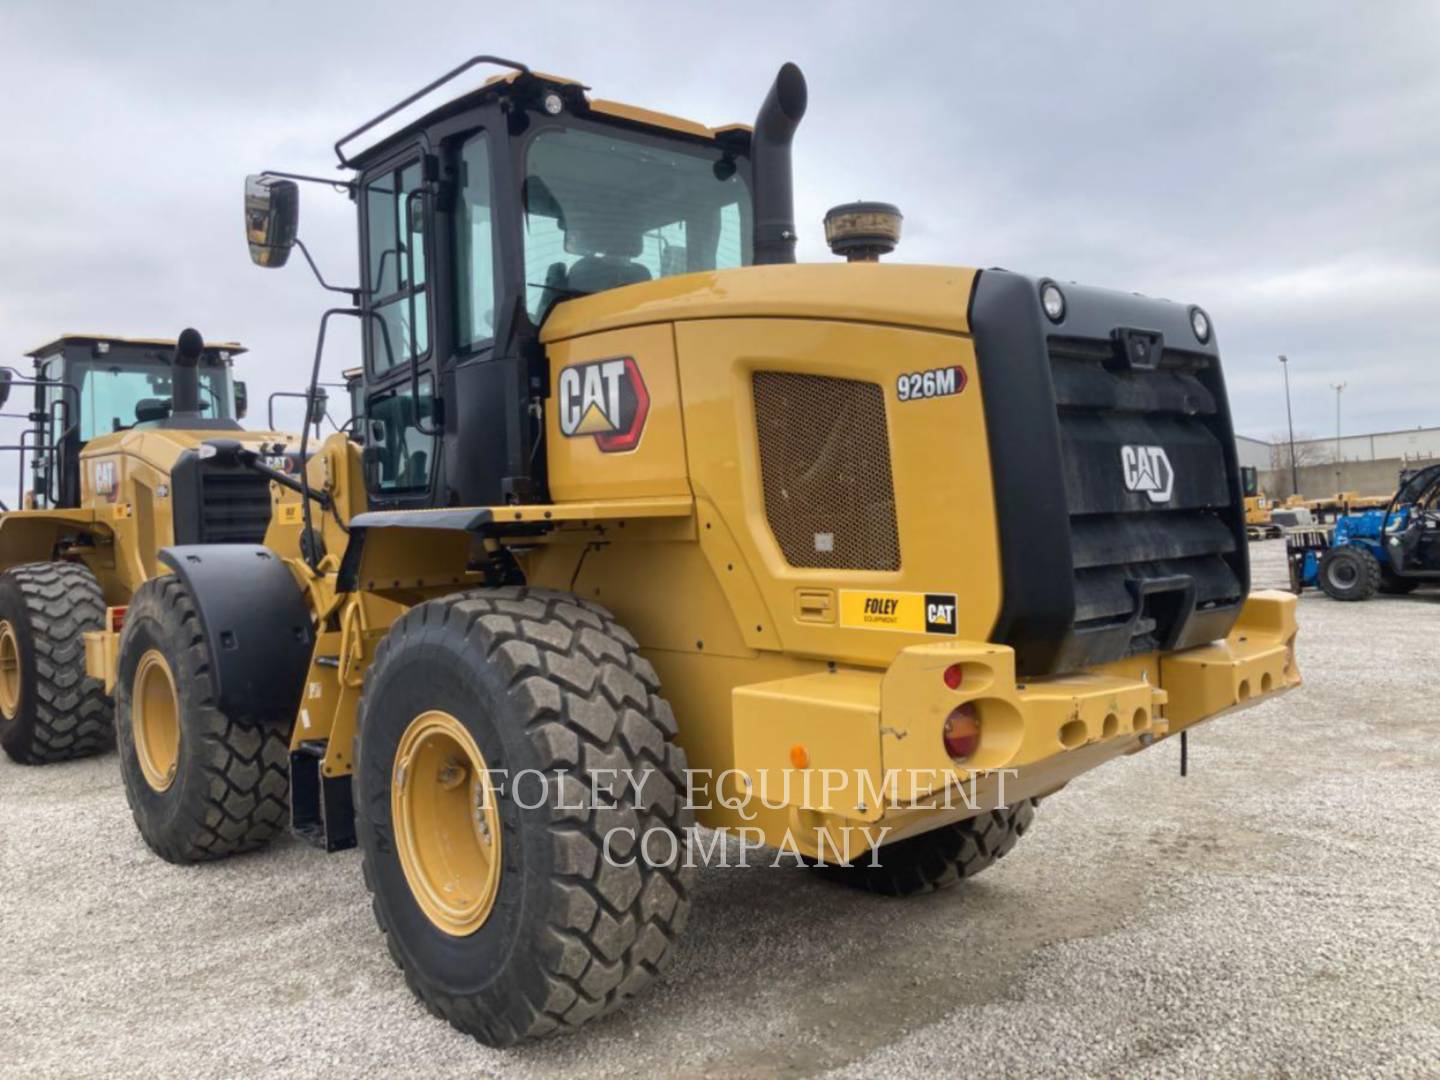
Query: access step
x,y
322,808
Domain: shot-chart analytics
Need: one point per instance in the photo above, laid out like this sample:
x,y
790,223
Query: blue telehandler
x,y
1387,551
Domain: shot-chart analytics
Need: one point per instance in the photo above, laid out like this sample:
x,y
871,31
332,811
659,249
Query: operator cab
x,y
88,386
1412,526
477,217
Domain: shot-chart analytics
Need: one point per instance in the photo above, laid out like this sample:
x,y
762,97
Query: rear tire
x,y
941,857
201,785
523,679
1349,573
50,710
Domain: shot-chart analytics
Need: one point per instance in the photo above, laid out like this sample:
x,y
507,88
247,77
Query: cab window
x,y
474,248
603,211
395,268
397,452
116,396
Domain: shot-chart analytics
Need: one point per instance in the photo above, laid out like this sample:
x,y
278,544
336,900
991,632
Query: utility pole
x,y
1338,388
1290,420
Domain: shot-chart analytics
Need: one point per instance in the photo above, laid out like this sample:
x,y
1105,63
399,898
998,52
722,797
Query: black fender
x,y
255,621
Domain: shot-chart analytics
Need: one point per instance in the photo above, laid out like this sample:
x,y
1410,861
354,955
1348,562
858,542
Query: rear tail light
x,y
954,676
962,732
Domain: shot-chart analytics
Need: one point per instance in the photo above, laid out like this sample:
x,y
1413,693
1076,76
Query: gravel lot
x,y
1276,913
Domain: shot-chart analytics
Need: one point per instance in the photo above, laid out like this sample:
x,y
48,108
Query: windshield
x,y
603,211
119,395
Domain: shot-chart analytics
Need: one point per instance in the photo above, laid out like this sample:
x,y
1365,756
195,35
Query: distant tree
x,y
1308,451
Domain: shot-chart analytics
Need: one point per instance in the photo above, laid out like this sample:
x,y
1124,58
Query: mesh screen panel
x,y
825,468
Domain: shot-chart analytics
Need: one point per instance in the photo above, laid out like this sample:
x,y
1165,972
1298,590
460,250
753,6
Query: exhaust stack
x,y
770,162
184,375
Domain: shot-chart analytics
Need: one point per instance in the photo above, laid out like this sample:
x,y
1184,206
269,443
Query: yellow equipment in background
x,y
114,460
1258,525
645,525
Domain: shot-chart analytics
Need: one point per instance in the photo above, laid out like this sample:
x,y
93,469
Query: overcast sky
x,y
1276,163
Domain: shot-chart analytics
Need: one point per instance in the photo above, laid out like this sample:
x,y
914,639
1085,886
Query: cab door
x,y
402,419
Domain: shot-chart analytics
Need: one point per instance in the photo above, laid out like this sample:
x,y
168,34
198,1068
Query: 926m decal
x,y
938,382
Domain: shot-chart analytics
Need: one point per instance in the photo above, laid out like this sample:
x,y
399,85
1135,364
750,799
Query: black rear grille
x,y
1118,492
1147,570
234,506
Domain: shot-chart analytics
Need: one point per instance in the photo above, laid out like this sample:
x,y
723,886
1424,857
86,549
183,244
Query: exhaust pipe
x,y
184,376
770,164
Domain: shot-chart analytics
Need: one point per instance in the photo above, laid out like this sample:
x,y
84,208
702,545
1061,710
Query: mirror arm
x,y
347,186
353,293
232,454
251,461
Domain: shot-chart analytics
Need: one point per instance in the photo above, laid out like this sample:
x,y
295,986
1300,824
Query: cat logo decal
x,y
604,399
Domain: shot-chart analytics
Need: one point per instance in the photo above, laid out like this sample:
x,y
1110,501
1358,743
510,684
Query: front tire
x,y
1349,573
523,916
50,710
941,857
200,785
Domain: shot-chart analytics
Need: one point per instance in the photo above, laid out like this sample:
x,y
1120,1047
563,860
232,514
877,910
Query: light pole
x,y
1339,389
1290,421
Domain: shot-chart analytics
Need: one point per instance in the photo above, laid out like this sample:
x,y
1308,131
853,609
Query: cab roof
x,y
50,348
534,84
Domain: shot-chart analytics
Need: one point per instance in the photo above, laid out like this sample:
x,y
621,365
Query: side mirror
x,y
242,399
5,376
272,215
319,404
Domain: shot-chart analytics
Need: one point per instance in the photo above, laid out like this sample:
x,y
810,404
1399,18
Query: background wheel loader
x,y
114,473
644,525
1259,524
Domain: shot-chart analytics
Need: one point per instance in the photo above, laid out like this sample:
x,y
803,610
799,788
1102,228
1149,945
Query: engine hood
x,y
927,297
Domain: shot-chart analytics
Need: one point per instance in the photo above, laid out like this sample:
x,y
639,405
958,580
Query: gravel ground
x,y
1276,913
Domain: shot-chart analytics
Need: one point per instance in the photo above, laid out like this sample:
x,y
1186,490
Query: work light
x,y
1053,301
1200,323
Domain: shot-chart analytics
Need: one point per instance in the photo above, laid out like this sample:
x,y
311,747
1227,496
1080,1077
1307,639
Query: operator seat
x,y
596,273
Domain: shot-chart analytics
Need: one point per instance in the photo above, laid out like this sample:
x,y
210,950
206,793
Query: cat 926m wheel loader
x,y
114,472
645,525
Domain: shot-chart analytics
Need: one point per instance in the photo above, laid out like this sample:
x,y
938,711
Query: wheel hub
x,y
10,677
447,823
155,706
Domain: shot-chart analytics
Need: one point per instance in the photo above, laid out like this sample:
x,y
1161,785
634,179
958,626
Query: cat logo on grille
x,y
605,399
1147,469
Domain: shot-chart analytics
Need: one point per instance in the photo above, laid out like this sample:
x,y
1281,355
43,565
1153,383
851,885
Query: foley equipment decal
x,y
908,612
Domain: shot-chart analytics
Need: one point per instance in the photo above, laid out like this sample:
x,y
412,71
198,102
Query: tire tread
x,y
941,857
244,803
73,716
588,701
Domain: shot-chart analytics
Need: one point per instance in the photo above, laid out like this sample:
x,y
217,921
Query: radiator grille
x,y
234,506
825,469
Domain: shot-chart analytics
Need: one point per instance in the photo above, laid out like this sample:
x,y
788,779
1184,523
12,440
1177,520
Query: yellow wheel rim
x,y
447,823
155,709
10,679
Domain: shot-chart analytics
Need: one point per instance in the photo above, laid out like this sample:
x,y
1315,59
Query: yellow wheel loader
x,y
1258,523
645,527
112,461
